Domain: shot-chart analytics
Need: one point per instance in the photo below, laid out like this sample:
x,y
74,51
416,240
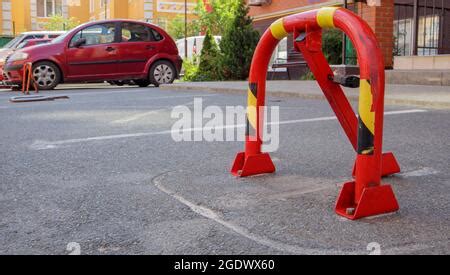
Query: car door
x,y
96,59
138,45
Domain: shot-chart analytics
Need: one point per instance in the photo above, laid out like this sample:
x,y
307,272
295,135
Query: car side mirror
x,y
80,42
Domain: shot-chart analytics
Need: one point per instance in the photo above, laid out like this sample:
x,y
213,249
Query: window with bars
x,y
420,27
428,35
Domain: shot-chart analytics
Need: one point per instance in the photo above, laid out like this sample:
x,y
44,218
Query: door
x,y
96,58
138,45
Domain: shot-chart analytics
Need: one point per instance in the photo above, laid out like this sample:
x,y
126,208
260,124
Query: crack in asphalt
x,y
215,216
242,231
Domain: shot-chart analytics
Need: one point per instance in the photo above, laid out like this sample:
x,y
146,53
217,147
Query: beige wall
x,y
155,11
440,62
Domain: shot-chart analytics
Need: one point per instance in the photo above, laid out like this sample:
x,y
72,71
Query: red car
x,y
24,44
33,42
110,50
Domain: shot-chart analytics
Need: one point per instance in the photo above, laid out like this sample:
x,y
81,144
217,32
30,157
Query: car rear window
x,y
157,35
134,32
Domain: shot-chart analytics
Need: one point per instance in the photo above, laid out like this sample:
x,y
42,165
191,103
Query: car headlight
x,y
18,56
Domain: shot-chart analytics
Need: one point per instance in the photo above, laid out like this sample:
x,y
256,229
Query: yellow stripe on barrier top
x,y
325,17
278,30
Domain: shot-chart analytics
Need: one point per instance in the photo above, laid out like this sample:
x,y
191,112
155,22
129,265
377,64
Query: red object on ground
x,y
27,79
365,196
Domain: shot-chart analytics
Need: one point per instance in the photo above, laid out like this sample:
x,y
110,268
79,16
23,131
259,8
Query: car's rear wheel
x,y
46,75
162,72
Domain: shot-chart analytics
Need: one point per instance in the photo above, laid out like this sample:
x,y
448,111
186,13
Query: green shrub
x,y
190,71
332,45
237,45
208,69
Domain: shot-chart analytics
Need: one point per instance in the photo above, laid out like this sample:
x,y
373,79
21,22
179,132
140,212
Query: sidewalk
x,y
437,97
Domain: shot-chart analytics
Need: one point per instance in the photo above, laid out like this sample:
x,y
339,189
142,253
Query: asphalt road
x,y
101,170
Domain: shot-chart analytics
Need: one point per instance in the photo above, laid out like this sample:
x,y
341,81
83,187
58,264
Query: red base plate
x,y
374,201
252,165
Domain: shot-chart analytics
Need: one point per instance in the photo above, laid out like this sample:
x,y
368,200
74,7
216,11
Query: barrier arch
x,y
365,196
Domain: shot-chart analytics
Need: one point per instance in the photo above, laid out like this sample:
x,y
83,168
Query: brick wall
x,y
381,20
283,5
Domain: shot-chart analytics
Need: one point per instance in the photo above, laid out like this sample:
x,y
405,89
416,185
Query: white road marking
x,y
333,117
144,114
135,117
42,145
426,171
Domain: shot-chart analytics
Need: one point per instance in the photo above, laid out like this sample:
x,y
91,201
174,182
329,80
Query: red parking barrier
x,y
365,196
27,78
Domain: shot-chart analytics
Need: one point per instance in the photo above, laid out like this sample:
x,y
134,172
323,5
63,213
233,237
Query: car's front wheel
x,y
46,75
162,72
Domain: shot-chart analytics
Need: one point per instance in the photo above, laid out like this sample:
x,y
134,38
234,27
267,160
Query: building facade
x,y
18,16
407,30
30,15
154,11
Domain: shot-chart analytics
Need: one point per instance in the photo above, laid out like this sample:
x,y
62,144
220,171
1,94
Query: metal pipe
x,y
185,30
416,27
344,41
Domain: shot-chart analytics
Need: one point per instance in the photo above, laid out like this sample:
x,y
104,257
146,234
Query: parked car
x,y
33,42
24,44
12,45
109,50
21,42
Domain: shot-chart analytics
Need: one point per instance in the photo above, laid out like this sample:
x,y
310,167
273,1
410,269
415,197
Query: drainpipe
x,y
344,41
185,30
416,27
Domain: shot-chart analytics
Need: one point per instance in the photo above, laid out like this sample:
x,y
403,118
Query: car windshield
x,y
21,45
13,43
60,38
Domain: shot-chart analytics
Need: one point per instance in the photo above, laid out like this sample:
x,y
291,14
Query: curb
x,y
353,98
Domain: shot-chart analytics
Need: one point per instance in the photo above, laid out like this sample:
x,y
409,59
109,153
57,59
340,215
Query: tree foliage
x,y
219,18
232,59
332,46
60,23
238,44
216,20
176,27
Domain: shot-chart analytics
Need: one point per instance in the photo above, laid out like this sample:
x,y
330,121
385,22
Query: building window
x,y
279,56
48,8
91,6
428,36
403,37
